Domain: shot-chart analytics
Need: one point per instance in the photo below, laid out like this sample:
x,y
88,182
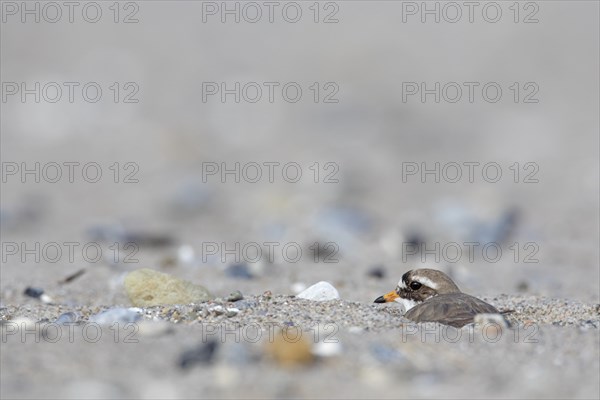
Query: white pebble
x,y
185,254
327,349
321,291
118,314
44,298
233,310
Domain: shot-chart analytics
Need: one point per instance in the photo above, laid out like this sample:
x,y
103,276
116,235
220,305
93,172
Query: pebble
x,y
327,349
66,318
218,310
186,254
46,299
321,291
385,354
234,296
414,239
523,286
118,233
267,294
377,271
202,354
38,293
239,353
232,312
146,287
34,292
289,350
190,198
118,314
239,271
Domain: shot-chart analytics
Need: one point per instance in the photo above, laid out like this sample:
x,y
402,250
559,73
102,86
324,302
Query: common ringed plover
x,y
429,295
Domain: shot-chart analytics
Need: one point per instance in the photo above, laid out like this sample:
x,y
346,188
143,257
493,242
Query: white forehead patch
x,y
401,284
406,303
426,281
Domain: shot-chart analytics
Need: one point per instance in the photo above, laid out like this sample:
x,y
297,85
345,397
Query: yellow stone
x,y
146,287
290,348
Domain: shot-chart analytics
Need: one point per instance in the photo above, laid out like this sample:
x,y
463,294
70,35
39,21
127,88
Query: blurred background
x,y
167,127
363,130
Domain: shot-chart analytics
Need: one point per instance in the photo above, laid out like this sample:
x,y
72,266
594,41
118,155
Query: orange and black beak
x,y
386,298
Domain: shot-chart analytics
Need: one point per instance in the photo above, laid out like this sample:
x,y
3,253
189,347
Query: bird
x,y
429,295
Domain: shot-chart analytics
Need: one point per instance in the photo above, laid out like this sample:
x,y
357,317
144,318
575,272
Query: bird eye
x,y
414,285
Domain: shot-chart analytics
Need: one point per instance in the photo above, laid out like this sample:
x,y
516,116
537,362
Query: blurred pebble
x,y
146,287
239,353
190,198
259,268
38,293
290,348
298,287
168,262
185,254
377,271
66,318
203,354
414,239
117,233
321,291
385,354
523,286
239,271
327,349
46,299
234,296
33,292
118,314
